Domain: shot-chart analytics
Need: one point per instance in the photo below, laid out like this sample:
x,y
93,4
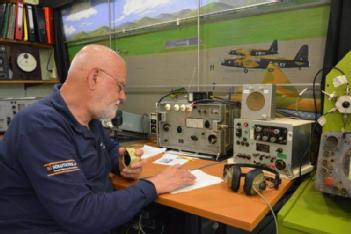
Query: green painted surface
x,y
285,25
310,211
334,120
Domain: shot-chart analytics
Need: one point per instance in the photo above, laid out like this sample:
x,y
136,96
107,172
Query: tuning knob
x,y
168,107
280,164
194,138
176,107
166,127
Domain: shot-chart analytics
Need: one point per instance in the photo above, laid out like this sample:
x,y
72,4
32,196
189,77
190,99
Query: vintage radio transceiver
x,y
203,128
333,167
9,107
281,144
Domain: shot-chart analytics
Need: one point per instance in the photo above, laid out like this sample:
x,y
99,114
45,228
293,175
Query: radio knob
x,y
273,139
279,150
280,164
194,138
189,108
179,129
176,107
212,139
258,129
166,127
207,124
258,137
168,107
182,107
238,132
276,131
265,138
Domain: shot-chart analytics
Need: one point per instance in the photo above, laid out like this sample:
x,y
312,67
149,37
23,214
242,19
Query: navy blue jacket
x,y
54,175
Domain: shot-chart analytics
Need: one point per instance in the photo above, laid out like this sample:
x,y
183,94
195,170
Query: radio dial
x,y
265,138
276,131
182,107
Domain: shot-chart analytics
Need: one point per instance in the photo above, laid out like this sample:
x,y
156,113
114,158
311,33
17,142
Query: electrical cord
x,y
178,91
215,101
270,207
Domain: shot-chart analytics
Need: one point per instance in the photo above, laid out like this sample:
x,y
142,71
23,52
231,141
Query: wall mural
x,y
279,43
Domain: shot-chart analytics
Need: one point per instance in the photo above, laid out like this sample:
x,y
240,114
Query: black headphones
x,y
255,180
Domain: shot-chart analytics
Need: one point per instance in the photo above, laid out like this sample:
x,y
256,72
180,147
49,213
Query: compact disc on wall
x,y
26,62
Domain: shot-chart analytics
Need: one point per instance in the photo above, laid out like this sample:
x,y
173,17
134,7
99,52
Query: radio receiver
x,y
258,101
204,128
280,144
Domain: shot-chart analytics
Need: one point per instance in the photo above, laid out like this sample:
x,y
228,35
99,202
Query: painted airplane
x,y
288,96
262,62
256,52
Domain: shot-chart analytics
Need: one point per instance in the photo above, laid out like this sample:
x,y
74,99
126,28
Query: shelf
x,y
29,81
35,44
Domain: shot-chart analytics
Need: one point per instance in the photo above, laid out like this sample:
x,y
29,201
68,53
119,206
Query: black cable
x,y
178,91
215,101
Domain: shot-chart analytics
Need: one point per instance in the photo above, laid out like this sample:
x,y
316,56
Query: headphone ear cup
x,y
254,178
236,179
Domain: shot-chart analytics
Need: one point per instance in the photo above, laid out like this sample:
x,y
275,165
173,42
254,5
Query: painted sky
x,y
88,15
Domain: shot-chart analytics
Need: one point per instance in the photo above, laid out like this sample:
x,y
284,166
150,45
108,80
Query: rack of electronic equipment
x,y
214,128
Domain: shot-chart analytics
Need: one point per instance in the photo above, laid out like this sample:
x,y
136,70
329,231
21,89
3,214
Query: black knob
x,y
207,124
194,138
179,129
238,132
346,104
280,164
279,150
212,139
166,127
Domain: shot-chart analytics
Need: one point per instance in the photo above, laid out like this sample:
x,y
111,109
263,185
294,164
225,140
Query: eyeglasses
x,y
120,86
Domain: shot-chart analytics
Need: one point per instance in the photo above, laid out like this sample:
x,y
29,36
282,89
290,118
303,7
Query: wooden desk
x,y
216,202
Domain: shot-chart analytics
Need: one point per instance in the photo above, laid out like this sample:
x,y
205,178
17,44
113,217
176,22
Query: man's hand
x,y
134,170
172,179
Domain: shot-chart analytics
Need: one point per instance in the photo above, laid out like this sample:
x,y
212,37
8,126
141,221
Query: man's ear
x,y
92,78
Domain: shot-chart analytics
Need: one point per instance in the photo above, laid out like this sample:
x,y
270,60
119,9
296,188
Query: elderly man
x,y
55,158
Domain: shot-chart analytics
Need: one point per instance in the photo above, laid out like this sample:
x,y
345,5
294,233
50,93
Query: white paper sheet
x,y
150,151
170,159
202,180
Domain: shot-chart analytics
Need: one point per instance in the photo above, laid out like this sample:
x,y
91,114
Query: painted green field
x,y
286,25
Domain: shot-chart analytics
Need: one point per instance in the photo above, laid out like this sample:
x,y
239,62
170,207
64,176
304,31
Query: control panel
x,y
281,144
333,167
9,107
203,128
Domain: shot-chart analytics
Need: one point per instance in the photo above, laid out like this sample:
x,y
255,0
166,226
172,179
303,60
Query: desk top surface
x,y
215,202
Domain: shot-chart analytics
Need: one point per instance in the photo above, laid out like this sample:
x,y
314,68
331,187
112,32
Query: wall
x,y
167,56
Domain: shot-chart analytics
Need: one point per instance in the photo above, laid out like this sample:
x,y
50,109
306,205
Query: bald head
x,y
94,56
94,87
